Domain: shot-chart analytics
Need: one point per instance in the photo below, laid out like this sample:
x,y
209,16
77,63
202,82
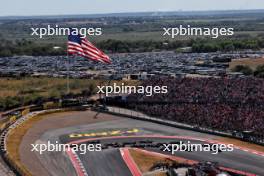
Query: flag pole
x,y
68,74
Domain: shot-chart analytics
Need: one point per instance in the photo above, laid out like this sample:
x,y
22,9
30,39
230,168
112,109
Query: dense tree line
x,y
26,47
227,45
118,46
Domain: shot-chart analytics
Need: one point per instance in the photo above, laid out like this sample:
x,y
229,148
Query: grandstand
x,y
232,105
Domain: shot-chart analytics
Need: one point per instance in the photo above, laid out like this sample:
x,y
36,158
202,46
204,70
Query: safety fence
x,y
141,116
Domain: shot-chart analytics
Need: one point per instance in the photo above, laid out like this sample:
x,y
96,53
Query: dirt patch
x,y
252,63
146,161
14,140
52,122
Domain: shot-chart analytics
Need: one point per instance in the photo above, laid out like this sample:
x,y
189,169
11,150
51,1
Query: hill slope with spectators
x,y
225,104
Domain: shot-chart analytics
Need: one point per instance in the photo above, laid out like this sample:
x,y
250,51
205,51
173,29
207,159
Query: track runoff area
x,y
104,149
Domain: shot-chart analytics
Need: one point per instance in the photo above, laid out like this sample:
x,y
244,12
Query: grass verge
x,y
14,140
145,161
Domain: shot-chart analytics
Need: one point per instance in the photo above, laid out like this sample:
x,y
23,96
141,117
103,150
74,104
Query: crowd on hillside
x,y
226,104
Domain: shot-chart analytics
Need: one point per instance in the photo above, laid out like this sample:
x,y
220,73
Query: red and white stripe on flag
x,y
88,50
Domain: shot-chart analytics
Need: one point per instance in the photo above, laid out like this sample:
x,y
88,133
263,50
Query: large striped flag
x,y
79,45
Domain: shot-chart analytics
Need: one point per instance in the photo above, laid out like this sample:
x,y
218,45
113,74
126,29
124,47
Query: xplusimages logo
x,y
58,147
126,89
189,30
190,147
63,31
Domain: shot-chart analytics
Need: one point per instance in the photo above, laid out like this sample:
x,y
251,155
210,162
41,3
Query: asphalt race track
x,y
111,162
237,159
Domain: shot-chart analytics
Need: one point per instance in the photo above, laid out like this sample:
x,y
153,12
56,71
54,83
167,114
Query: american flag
x,y
79,45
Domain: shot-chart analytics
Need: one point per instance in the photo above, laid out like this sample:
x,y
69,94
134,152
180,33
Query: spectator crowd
x,y
226,104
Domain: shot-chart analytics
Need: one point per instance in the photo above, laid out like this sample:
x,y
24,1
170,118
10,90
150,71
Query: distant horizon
x,y
62,7
128,12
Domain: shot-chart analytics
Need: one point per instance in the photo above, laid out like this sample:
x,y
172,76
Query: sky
x,y
62,7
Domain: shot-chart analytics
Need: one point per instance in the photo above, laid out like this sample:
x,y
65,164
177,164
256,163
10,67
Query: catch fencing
x,y
141,116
